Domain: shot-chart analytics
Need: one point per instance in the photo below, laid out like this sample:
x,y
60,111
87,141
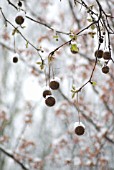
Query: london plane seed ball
x,y
105,69
15,58
54,83
20,17
98,53
50,101
79,128
107,55
46,93
20,4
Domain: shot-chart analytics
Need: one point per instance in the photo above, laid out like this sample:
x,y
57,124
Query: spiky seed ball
x,y
20,4
105,69
99,53
79,128
107,55
101,40
20,17
46,93
15,59
19,20
54,83
50,101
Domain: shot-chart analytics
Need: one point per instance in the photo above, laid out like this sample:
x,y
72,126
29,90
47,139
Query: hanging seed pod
x,y
20,4
54,83
79,128
50,101
99,53
46,92
105,69
101,39
15,58
20,17
107,55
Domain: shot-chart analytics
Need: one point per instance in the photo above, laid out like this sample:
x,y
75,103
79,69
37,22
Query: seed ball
x,y
20,4
101,40
79,128
54,83
15,59
50,101
46,93
20,18
105,69
107,55
98,53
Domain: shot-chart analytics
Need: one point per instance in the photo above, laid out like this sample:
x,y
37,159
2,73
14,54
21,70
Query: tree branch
x,y
12,157
86,117
10,3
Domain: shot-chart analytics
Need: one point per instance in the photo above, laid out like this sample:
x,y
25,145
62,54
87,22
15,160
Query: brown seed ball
x,y
19,20
15,59
50,101
107,55
79,128
99,53
101,40
54,83
105,69
20,4
46,92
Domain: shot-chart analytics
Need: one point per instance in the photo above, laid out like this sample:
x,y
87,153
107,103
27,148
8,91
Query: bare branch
x,y
7,153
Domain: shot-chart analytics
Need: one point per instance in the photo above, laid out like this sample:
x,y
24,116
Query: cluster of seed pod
x,y
106,56
47,94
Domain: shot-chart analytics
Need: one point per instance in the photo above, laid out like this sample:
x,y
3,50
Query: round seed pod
x,y
15,58
54,83
20,4
46,92
107,55
101,40
20,17
105,69
99,53
50,101
79,128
